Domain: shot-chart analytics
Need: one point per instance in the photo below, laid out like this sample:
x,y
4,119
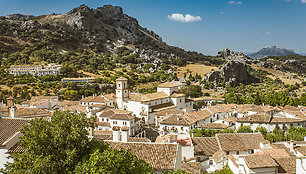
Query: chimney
x,y
291,146
90,132
124,134
10,102
116,133
13,112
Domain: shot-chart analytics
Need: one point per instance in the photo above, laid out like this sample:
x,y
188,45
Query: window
x,y
124,123
180,100
227,153
241,124
252,151
114,122
182,128
102,119
237,153
107,120
198,159
118,85
211,162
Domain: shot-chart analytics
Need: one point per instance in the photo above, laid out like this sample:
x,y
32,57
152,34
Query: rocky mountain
x,y
104,30
233,72
271,51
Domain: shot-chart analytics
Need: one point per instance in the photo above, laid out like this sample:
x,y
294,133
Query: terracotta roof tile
x,y
167,85
177,120
16,149
122,78
259,160
176,95
159,156
276,153
98,99
205,145
217,156
9,127
149,97
192,167
213,126
286,165
200,115
240,141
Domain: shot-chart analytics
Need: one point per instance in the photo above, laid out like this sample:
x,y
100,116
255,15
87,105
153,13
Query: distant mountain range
x,y
271,51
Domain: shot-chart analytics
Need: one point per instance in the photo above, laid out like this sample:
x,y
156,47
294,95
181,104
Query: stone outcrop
x,y
233,72
231,55
19,17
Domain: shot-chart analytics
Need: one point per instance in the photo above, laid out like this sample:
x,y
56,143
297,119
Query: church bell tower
x,y
122,92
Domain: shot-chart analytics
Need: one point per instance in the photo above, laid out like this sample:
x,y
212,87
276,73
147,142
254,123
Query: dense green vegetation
x,y
294,133
267,93
209,132
291,63
62,146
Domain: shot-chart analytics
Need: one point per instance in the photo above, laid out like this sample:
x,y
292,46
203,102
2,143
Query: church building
x,y
145,106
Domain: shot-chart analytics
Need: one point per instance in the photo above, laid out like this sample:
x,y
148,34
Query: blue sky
x,y
241,25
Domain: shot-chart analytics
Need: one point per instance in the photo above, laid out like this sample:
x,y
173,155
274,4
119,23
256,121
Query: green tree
x,y
112,161
52,147
244,129
62,146
262,130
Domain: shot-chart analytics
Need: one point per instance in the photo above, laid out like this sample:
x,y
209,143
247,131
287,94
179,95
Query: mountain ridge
x,y
272,51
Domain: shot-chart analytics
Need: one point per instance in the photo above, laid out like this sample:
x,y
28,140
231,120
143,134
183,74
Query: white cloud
x,y
222,12
235,3
187,18
303,1
268,33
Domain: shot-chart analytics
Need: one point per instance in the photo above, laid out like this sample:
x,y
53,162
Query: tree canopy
x,y
62,146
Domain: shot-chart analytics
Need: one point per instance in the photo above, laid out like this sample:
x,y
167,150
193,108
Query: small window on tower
x,y
119,85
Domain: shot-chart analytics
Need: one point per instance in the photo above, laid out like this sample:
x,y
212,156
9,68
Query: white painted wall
x,y
301,165
168,91
3,158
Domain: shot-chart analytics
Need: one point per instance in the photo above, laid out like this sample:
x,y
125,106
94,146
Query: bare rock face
x,y
19,17
233,72
109,22
231,55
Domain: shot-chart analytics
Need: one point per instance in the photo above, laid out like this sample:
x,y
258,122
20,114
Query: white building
x,y
106,100
146,105
38,70
270,122
110,118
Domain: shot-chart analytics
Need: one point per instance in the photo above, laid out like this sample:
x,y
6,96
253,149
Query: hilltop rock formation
x,y
19,17
107,22
233,72
231,55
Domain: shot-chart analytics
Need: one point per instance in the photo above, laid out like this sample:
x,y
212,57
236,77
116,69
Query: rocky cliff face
x,y
233,72
107,22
